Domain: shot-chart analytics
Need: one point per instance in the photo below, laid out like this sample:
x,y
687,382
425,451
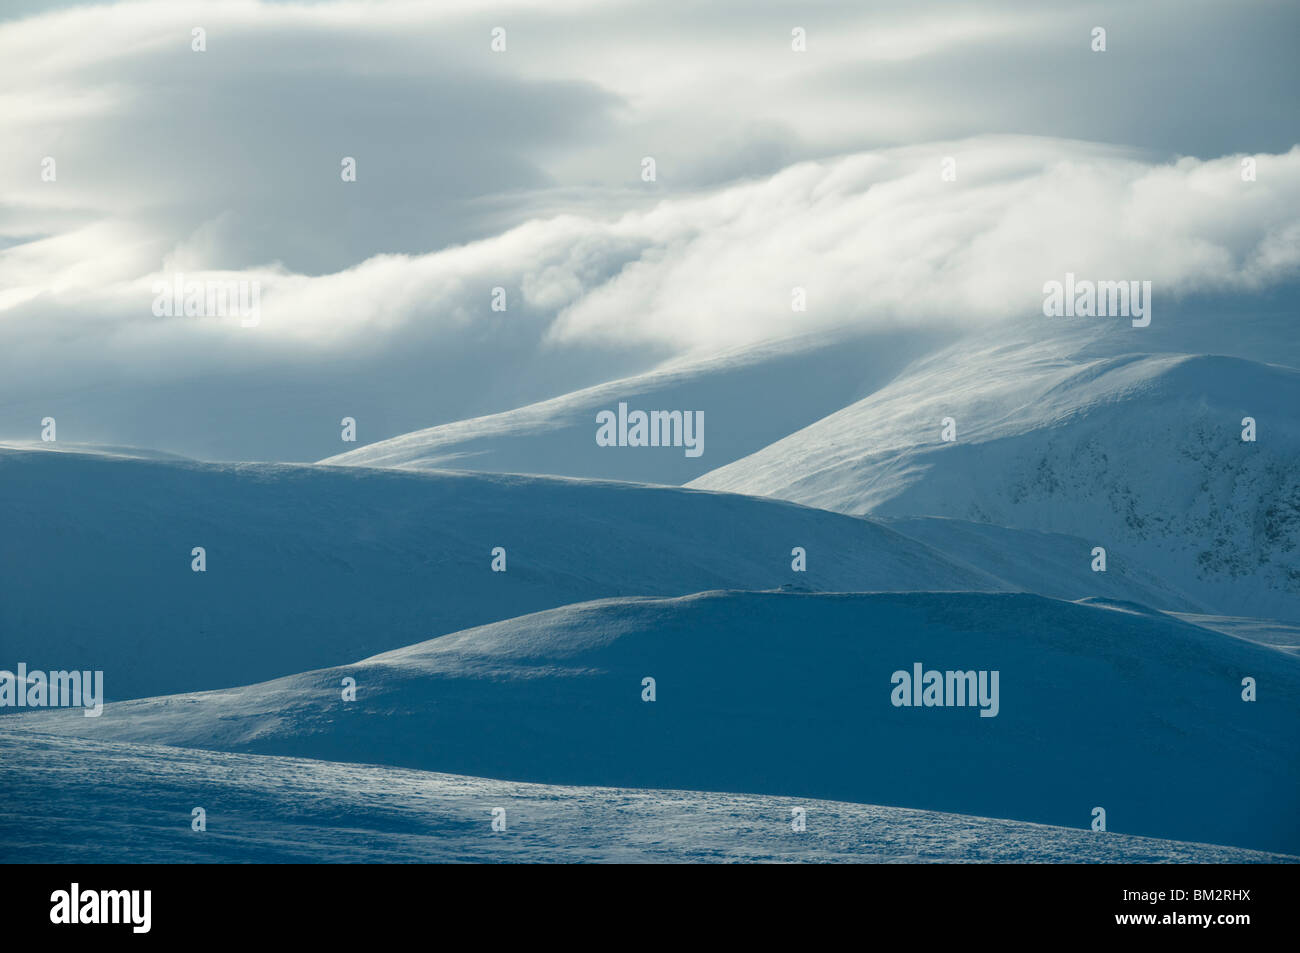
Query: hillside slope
x,y
309,566
69,800
749,397
1137,452
790,694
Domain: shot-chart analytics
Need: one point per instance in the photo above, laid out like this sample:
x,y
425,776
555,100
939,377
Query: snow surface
x,y
750,397
1050,564
1089,439
1070,435
132,804
1140,454
313,566
310,566
1110,705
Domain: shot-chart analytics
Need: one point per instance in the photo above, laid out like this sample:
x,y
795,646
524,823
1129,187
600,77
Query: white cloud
x,y
875,239
776,169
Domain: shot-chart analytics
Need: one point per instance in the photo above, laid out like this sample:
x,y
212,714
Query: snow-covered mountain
x,y
1088,443
309,566
294,810
1049,564
915,547
749,397
1139,452
1097,705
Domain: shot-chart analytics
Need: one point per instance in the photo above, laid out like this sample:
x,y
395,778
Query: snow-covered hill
x,y
1139,453
73,801
756,395
1106,706
1050,564
750,397
309,566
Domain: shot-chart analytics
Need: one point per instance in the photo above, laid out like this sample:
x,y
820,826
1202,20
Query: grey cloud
x,y
1177,78
520,170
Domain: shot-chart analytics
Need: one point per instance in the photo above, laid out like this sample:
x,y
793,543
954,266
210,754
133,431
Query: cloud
x,y
521,170
455,142
876,240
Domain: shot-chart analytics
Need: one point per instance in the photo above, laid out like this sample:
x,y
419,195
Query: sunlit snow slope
x,y
1135,453
749,397
75,801
790,694
310,566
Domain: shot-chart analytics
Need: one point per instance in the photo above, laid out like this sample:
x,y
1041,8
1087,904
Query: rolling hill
x,y
309,566
292,810
792,694
1142,453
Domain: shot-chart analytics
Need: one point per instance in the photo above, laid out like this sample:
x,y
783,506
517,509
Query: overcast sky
x,y
523,169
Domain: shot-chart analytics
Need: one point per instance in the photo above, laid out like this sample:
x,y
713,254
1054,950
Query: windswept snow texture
x,y
1120,690
1050,564
790,694
312,566
1140,453
749,397
74,801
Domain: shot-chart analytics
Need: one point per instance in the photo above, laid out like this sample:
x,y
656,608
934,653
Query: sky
x,y
522,169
